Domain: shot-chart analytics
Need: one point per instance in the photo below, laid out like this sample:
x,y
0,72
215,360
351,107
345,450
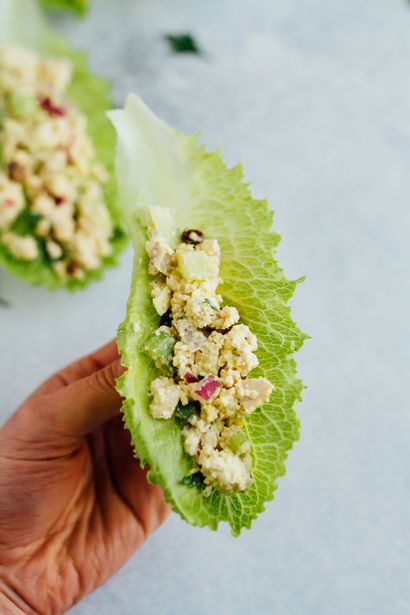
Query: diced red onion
x,y
207,388
49,107
190,378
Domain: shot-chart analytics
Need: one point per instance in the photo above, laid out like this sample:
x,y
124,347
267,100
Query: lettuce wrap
x,y
22,23
158,166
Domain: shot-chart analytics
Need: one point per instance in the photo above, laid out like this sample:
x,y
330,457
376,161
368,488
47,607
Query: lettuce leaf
x,y
22,22
76,6
157,165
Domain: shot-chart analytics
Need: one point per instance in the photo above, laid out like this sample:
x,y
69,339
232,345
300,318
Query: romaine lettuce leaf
x,y
157,165
76,6
22,22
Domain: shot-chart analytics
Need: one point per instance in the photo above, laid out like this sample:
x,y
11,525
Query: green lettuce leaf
x,y
22,22
76,6
157,165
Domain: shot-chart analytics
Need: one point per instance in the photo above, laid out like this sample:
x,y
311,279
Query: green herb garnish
x,y
26,222
194,481
185,412
212,304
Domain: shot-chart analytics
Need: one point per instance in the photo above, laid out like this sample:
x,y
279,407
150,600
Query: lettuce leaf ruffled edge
x,y
22,22
157,165
79,7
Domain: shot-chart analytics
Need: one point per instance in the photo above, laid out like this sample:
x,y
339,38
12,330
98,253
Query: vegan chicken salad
x,y
59,220
204,355
208,341
50,179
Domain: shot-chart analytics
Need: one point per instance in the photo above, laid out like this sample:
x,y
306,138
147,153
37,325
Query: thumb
x,y
61,419
86,404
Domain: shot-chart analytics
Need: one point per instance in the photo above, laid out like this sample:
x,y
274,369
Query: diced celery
x,y
196,265
160,348
237,440
21,105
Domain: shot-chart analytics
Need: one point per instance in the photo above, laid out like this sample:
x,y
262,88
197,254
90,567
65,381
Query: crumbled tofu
x,y
160,254
224,470
54,249
226,318
23,247
238,351
253,393
207,358
161,296
212,359
49,166
11,201
192,438
165,395
193,338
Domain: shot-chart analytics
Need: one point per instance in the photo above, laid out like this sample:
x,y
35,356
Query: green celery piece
x,y
237,440
196,265
160,348
21,105
158,165
79,7
22,22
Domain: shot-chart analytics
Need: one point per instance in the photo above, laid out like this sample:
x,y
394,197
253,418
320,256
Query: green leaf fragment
x,y
182,43
185,412
26,222
76,6
237,440
158,165
195,481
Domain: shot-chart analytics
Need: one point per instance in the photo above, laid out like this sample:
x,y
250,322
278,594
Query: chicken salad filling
x,y
52,202
204,355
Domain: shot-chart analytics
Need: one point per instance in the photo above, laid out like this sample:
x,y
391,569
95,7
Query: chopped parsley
x,y
194,481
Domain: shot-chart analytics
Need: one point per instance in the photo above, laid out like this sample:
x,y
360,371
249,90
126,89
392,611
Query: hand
x,y
74,502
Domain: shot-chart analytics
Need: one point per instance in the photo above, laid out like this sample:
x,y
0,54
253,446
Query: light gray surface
x,y
314,98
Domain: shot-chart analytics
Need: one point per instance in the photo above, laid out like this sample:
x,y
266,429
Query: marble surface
x,y
314,98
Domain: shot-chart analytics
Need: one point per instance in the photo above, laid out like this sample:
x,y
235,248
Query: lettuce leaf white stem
x,y
22,22
159,166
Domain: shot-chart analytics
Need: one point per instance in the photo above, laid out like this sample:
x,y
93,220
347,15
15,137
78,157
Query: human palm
x,y
74,502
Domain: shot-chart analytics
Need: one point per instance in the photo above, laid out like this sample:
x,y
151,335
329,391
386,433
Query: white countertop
x,y
314,98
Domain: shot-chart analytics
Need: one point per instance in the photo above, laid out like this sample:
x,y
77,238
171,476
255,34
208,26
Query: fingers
x,y
56,423
79,369
145,499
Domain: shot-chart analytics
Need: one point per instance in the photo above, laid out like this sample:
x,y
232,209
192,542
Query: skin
x,y
74,502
